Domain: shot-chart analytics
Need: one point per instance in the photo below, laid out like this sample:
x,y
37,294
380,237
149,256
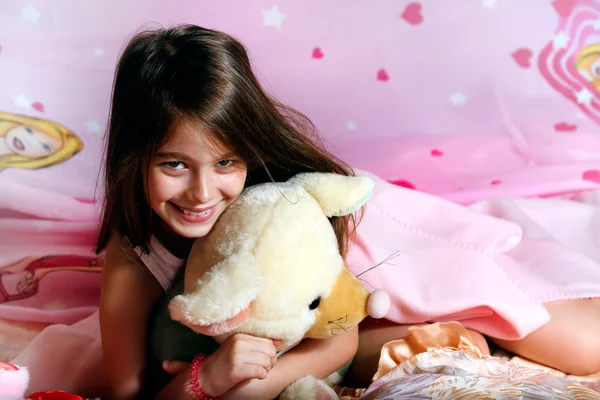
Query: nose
x,y
203,188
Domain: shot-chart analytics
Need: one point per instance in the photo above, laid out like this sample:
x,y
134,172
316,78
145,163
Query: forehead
x,y
189,136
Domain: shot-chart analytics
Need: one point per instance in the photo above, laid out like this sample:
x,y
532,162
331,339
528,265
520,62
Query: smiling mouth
x,y
18,144
196,213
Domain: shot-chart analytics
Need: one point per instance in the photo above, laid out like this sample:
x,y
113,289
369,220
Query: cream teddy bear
x,y
271,267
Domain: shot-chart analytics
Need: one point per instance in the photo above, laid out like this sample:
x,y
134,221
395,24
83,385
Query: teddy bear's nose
x,y
378,304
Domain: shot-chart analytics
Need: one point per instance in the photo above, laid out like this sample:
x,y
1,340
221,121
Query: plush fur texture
x,y
13,381
309,388
327,189
274,252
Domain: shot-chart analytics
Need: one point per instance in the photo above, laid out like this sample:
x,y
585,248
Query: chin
x,y
192,233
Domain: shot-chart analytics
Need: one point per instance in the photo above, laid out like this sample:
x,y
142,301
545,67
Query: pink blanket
x,y
489,266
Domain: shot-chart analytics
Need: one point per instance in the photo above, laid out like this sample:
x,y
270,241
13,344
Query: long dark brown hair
x,y
165,76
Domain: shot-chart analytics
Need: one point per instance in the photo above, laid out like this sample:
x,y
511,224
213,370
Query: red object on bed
x,y
53,395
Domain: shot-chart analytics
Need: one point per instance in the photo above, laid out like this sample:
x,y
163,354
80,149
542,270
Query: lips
x,y
18,144
195,211
195,216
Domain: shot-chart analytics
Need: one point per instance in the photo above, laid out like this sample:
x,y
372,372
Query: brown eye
x,y
174,164
315,303
225,163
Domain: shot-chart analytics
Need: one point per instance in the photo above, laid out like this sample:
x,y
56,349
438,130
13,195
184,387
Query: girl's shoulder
x,y
160,262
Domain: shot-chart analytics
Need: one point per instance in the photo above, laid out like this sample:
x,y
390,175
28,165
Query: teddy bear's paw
x,y
308,388
325,392
334,379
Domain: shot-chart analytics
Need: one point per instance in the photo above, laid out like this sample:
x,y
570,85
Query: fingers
x,y
242,357
243,336
259,359
257,345
250,371
174,367
250,343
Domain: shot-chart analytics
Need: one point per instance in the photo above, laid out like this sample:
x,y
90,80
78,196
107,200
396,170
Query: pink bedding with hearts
x,y
490,99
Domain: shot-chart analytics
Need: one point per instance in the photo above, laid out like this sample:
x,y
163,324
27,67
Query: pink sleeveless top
x,y
161,263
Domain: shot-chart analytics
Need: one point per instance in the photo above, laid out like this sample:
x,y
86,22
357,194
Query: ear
x,y
220,294
337,194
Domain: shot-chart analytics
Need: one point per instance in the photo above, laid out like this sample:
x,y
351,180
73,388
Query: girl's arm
x,y
319,358
128,294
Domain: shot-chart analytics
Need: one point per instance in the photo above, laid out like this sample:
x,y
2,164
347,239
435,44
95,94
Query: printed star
x,y
273,17
560,41
351,125
98,52
30,14
21,101
55,305
489,3
43,225
596,24
94,127
584,96
458,99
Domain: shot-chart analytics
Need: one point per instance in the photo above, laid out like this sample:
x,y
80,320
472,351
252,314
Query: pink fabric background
x,y
378,81
467,100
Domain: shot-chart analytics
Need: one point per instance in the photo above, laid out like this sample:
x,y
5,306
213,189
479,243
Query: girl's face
x,y
31,143
192,180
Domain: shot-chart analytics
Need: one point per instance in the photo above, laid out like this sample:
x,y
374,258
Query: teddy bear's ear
x,y
221,294
337,194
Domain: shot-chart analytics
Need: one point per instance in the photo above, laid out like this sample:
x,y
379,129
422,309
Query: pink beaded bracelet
x,y
193,379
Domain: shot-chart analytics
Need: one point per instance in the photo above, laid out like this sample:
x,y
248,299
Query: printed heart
x,y
403,183
412,14
563,7
436,153
592,175
382,75
523,57
565,127
317,53
38,106
85,200
496,182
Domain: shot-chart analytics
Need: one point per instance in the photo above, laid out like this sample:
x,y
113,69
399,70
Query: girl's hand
x,y
240,358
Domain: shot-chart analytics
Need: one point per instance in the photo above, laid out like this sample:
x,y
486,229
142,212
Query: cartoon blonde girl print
x,y
588,64
20,280
32,143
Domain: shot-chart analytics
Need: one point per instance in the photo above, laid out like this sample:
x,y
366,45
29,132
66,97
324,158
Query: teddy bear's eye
x,y
315,303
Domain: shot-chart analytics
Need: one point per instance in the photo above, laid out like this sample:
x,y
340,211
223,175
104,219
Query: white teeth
x,y
195,214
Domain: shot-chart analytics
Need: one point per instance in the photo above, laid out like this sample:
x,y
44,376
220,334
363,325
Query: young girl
x,y
190,127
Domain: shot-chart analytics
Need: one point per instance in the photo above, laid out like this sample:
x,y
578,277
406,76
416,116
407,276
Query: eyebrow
x,y
172,154
181,156
229,155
